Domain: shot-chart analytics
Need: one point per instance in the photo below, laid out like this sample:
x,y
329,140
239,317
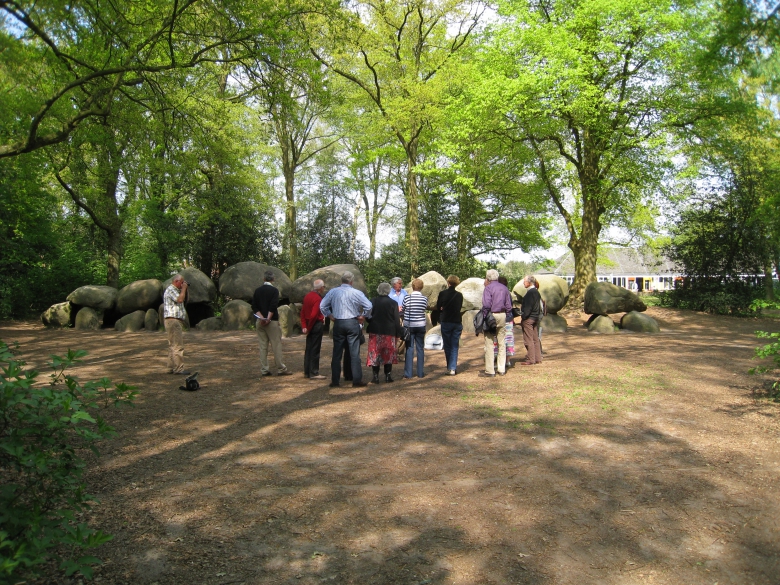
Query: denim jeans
x,y
346,333
450,336
417,341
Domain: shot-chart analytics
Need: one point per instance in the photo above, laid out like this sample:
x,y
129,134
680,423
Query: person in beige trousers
x,y
265,304
174,316
497,300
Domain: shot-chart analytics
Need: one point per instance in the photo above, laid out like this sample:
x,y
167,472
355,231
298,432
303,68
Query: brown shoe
x,y
285,373
317,377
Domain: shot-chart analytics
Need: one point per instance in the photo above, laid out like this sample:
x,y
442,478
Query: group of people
x,y
394,319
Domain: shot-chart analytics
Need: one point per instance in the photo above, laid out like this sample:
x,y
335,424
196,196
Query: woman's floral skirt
x,y
381,350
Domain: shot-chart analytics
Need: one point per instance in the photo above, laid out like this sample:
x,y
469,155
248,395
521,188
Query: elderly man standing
x,y
265,304
174,316
397,293
497,300
347,307
313,325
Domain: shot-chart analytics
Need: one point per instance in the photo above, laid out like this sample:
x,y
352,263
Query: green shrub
x,y
770,351
732,297
44,431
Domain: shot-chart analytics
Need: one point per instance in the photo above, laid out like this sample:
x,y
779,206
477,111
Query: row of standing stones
x,y
138,306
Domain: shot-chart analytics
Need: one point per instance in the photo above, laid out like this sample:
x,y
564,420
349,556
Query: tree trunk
x,y
114,258
113,220
466,214
412,210
769,287
290,216
585,249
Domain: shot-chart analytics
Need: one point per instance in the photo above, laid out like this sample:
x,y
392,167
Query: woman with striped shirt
x,y
415,306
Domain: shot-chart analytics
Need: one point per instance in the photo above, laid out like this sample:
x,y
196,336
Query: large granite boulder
x,y
237,314
601,324
471,289
97,297
201,289
639,322
58,315
151,320
210,324
132,322
331,275
139,295
552,323
433,284
468,321
604,298
553,289
289,320
241,280
88,319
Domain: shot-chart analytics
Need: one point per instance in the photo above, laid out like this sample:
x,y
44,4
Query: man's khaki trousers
x,y
500,337
175,331
270,334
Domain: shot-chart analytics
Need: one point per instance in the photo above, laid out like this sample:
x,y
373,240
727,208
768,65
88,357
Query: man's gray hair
x,y
268,276
317,284
383,289
530,279
347,277
491,275
176,277
395,279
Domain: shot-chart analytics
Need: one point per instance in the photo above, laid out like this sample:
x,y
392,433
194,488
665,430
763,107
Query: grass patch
x,y
569,398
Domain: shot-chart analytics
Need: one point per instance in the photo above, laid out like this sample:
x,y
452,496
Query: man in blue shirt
x,y
347,307
398,294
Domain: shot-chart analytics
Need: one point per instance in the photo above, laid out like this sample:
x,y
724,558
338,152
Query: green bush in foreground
x,y
769,350
44,431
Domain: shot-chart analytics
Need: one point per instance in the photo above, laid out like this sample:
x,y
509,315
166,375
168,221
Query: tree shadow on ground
x,y
282,481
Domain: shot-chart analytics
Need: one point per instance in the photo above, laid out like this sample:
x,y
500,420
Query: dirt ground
x,y
621,459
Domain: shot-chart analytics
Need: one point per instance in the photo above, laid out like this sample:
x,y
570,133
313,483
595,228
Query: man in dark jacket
x,y
531,317
265,304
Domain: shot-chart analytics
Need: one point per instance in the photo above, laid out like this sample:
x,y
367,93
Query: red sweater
x,y
310,313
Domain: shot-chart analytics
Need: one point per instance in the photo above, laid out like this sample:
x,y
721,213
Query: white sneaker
x,y
450,372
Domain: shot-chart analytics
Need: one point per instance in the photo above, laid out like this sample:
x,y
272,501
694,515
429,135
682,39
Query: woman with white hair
x,y
384,328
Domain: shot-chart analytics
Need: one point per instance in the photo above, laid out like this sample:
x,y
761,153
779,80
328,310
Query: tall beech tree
x,y
294,98
400,54
591,89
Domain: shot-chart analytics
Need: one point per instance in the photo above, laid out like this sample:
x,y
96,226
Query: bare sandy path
x,y
622,459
